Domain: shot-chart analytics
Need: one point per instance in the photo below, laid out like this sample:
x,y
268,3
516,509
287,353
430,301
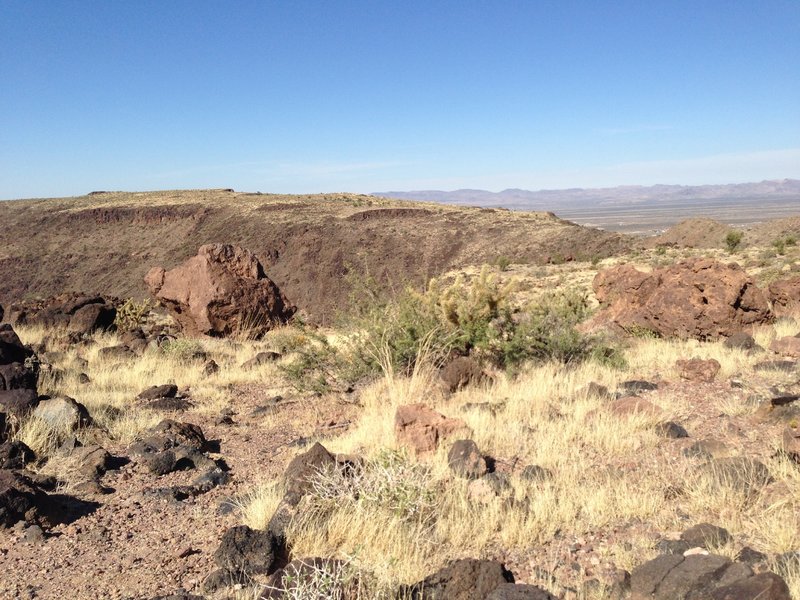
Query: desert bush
x,y
390,481
132,314
733,240
779,245
478,317
502,262
182,348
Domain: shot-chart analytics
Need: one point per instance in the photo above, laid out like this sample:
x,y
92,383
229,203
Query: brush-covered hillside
x,y
311,246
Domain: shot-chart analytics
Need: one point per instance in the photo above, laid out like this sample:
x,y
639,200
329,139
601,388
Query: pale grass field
x,y
110,397
545,418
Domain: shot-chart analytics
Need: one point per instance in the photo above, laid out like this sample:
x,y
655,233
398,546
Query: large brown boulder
x,y
222,290
785,295
698,298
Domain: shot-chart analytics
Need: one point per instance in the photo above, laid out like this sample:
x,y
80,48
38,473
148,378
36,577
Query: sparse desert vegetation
x,y
490,422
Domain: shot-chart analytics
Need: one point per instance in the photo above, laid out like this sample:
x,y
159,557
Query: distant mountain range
x,y
630,196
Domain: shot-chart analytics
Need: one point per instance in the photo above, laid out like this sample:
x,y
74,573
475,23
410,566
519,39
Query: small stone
x,y
671,430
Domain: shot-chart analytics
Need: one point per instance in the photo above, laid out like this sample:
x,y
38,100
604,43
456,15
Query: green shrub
x,y
476,317
502,263
733,240
780,246
132,314
790,240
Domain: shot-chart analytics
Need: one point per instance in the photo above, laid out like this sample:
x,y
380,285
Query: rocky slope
x,y
106,242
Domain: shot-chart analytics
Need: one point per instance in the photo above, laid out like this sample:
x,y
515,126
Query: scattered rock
x,y
461,372
80,314
18,403
785,295
763,586
421,428
92,317
15,455
738,472
19,498
63,413
466,460
245,550
741,340
220,291
465,579
210,367
698,298
697,369
786,346
671,430
787,366
706,535
260,359
115,354
168,390
301,470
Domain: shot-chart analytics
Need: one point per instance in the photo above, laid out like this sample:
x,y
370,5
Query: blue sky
x,y
301,96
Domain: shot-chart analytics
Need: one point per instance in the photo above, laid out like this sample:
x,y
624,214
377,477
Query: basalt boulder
x,y
220,291
79,313
699,298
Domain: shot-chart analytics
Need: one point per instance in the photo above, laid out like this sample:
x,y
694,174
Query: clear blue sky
x,y
300,96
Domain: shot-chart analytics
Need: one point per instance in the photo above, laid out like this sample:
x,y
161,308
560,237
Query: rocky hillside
x,y
106,242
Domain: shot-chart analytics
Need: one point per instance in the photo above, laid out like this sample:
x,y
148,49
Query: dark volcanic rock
x,y
466,460
302,468
703,577
19,498
245,550
15,455
466,579
18,403
168,390
704,535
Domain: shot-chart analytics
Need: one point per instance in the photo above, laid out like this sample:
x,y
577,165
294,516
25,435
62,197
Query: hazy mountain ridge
x,y
782,189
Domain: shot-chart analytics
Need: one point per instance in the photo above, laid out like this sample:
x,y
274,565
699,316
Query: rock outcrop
x,y
78,313
699,298
18,375
222,290
785,295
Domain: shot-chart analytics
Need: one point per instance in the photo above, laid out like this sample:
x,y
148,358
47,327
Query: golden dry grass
x,y
543,417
